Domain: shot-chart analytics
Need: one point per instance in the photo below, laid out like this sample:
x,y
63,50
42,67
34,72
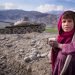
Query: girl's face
x,y
67,25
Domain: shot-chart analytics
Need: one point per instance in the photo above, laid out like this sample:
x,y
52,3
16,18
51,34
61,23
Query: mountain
x,y
55,12
14,15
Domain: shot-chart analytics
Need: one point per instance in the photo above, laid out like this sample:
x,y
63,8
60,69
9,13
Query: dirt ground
x,y
14,48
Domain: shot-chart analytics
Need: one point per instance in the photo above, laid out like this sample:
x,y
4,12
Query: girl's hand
x,y
53,43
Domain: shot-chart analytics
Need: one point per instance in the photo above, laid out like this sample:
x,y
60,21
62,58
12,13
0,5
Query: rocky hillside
x,y
25,54
13,15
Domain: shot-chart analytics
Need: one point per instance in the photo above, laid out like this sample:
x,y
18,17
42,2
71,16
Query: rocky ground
x,y
25,54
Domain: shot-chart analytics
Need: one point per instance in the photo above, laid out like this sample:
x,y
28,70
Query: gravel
x,y
25,54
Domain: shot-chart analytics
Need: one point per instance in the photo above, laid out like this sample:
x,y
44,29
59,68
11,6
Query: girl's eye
x,y
69,20
63,21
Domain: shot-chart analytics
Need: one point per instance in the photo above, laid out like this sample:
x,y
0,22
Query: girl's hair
x,y
69,15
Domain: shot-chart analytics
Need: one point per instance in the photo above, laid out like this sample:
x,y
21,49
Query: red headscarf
x,y
64,37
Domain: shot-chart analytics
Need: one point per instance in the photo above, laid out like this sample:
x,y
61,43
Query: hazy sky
x,y
38,5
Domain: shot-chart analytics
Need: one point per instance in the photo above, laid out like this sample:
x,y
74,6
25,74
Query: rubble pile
x,y
25,54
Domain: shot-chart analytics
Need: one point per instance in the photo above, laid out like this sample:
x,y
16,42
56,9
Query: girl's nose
x,y
66,23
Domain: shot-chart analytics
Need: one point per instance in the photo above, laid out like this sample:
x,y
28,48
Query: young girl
x,y
64,47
